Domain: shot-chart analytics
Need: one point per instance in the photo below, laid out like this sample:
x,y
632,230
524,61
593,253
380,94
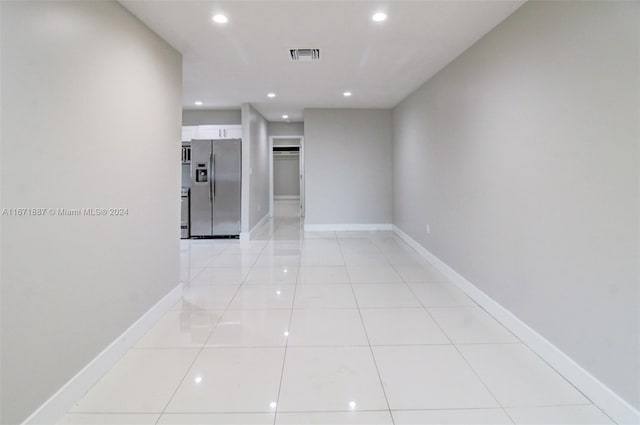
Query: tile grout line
x,y
193,361
518,340
286,345
440,344
373,357
330,411
244,284
204,345
339,241
426,310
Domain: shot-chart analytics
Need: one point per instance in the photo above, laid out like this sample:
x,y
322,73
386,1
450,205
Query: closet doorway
x,y
286,165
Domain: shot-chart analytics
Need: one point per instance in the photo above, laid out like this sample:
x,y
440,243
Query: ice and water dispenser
x,y
202,173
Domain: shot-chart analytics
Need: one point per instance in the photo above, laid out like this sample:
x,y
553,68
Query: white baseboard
x,y
347,227
612,404
286,198
67,396
245,236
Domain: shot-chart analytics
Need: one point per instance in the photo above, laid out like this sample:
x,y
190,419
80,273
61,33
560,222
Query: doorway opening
x,y
286,164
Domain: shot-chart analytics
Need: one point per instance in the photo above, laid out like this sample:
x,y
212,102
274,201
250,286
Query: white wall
x,y
286,176
522,155
286,141
286,128
347,166
211,117
255,167
91,112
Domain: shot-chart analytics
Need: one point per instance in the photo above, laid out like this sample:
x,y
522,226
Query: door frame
x,y
301,175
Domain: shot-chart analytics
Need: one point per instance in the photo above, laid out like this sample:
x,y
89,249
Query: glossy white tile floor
x,y
326,328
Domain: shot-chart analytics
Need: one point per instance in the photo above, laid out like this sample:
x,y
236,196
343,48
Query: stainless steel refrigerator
x,y
215,188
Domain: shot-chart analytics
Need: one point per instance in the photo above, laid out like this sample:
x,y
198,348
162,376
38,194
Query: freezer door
x,y
226,187
201,188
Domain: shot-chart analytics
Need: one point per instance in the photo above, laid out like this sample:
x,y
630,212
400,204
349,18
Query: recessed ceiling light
x,y
379,17
346,94
285,117
198,103
271,95
220,19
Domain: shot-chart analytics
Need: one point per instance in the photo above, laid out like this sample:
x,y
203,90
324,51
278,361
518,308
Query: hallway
x,y
326,328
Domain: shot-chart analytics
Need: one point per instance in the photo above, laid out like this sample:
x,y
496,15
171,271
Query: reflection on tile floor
x,y
294,327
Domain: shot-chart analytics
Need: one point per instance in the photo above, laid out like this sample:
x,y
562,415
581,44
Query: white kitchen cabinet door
x,y
219,132
210,132
189,132
232,132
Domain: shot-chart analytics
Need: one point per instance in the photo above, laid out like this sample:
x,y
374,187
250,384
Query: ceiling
x,y
226,65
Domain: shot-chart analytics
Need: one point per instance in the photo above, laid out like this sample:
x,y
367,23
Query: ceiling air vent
x,y
304,54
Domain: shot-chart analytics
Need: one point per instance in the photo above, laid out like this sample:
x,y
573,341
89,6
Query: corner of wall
x,y
245,114
255,167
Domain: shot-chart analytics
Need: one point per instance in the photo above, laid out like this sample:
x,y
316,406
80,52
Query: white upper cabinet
x,y
189,132
233,132
209,132
215,132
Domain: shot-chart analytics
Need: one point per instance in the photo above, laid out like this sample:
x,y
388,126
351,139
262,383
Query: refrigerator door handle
x,y
210,176
213,175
